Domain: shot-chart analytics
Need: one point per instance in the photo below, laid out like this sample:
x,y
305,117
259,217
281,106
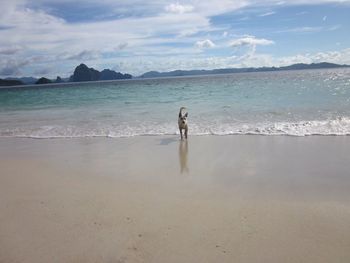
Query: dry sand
x,y
156,199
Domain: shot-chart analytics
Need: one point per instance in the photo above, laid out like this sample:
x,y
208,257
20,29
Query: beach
x,y
240,198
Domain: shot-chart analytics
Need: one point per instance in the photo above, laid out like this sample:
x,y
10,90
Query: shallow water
x,y
297,103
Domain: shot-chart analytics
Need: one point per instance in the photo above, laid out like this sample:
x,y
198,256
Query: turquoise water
x,y
272,103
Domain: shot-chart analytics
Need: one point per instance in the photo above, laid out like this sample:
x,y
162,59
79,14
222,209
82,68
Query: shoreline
x,y
158,199
92,137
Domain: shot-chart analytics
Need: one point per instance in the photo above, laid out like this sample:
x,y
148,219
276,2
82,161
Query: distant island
x,y
43,81
84,73
10,82
300,66
81,73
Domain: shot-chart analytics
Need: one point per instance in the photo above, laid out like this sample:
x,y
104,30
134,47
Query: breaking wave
x,y
338,126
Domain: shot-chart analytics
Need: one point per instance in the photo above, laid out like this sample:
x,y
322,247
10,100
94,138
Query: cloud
x,y
11,67
10,50
339,57
330,56
245,18
143,64
301,13
324,18
309,29
250,41
304,29
267,14
207,43
49,36
178,9
9,70
257,60
43,71
332,28
122,45
84,55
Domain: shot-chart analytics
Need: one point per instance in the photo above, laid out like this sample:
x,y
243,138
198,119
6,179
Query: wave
x,y
339,126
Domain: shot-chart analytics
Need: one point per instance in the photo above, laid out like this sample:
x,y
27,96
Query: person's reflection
x,y
183,151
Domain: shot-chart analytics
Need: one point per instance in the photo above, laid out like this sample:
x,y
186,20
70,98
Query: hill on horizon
x,y
298,66
84,73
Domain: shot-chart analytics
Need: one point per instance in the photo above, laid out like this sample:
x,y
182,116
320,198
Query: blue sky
x,y
51,37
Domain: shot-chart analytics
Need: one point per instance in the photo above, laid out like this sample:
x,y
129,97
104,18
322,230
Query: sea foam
x,y
339,126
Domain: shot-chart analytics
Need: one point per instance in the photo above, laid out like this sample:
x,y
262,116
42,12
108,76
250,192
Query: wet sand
x,y
156,199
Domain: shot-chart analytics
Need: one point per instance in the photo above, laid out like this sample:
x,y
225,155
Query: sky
x,y
51,37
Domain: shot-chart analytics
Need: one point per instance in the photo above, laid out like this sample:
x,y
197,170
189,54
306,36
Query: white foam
x,y
339,126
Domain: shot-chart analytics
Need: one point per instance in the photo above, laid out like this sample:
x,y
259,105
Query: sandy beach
x,y
156,199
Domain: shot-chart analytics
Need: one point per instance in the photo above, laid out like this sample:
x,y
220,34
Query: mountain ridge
x,y
198,72
84,73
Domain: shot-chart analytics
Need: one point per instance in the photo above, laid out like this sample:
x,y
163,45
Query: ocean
x,y
296,103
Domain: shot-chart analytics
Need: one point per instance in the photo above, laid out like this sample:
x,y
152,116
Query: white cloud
x,y
43,33
245,18
302,13
309,29
332,28
178,9
142,64
304,29
13,66
324,18
43,71
267,14
10,50
338,57
207,43
122,45
250,41
84,55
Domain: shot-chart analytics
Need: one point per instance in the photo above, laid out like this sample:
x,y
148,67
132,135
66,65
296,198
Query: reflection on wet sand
x,y
183,152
